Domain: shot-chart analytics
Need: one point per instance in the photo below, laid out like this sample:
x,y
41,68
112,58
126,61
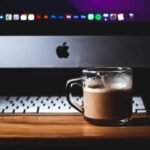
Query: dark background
x,y
37,6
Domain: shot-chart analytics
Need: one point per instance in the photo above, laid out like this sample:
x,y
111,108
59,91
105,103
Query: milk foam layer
x,y
94,83
99,85
86,89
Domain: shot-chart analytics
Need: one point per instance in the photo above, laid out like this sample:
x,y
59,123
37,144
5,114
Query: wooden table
x,y
68,129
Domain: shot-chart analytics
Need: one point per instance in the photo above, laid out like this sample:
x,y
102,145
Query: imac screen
x,y
73,16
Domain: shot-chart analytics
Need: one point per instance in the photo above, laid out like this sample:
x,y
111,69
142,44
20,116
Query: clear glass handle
x,y
70,84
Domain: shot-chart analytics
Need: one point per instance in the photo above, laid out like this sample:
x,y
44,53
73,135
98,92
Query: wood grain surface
x,y
69,127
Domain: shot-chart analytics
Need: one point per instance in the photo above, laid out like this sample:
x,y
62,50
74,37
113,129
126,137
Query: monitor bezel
x,y
72,28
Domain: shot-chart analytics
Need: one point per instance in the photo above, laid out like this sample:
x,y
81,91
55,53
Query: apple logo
x,y
62,50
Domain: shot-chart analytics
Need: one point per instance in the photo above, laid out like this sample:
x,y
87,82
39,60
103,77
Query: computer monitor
x,y
74,33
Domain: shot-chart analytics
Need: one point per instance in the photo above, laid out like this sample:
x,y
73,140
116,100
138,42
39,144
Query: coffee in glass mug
x,y
107,95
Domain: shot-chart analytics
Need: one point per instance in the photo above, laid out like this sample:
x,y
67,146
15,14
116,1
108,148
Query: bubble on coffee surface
x,y
94,83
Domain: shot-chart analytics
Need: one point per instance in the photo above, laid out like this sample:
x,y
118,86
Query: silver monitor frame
x,y
84,51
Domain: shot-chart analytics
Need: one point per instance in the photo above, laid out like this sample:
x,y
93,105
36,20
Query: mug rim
x,y
107,69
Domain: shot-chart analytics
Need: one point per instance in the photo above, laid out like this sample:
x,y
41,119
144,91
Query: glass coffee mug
x,y
107,95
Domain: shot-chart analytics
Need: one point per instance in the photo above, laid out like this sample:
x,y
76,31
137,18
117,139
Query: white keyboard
x,y
48,105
